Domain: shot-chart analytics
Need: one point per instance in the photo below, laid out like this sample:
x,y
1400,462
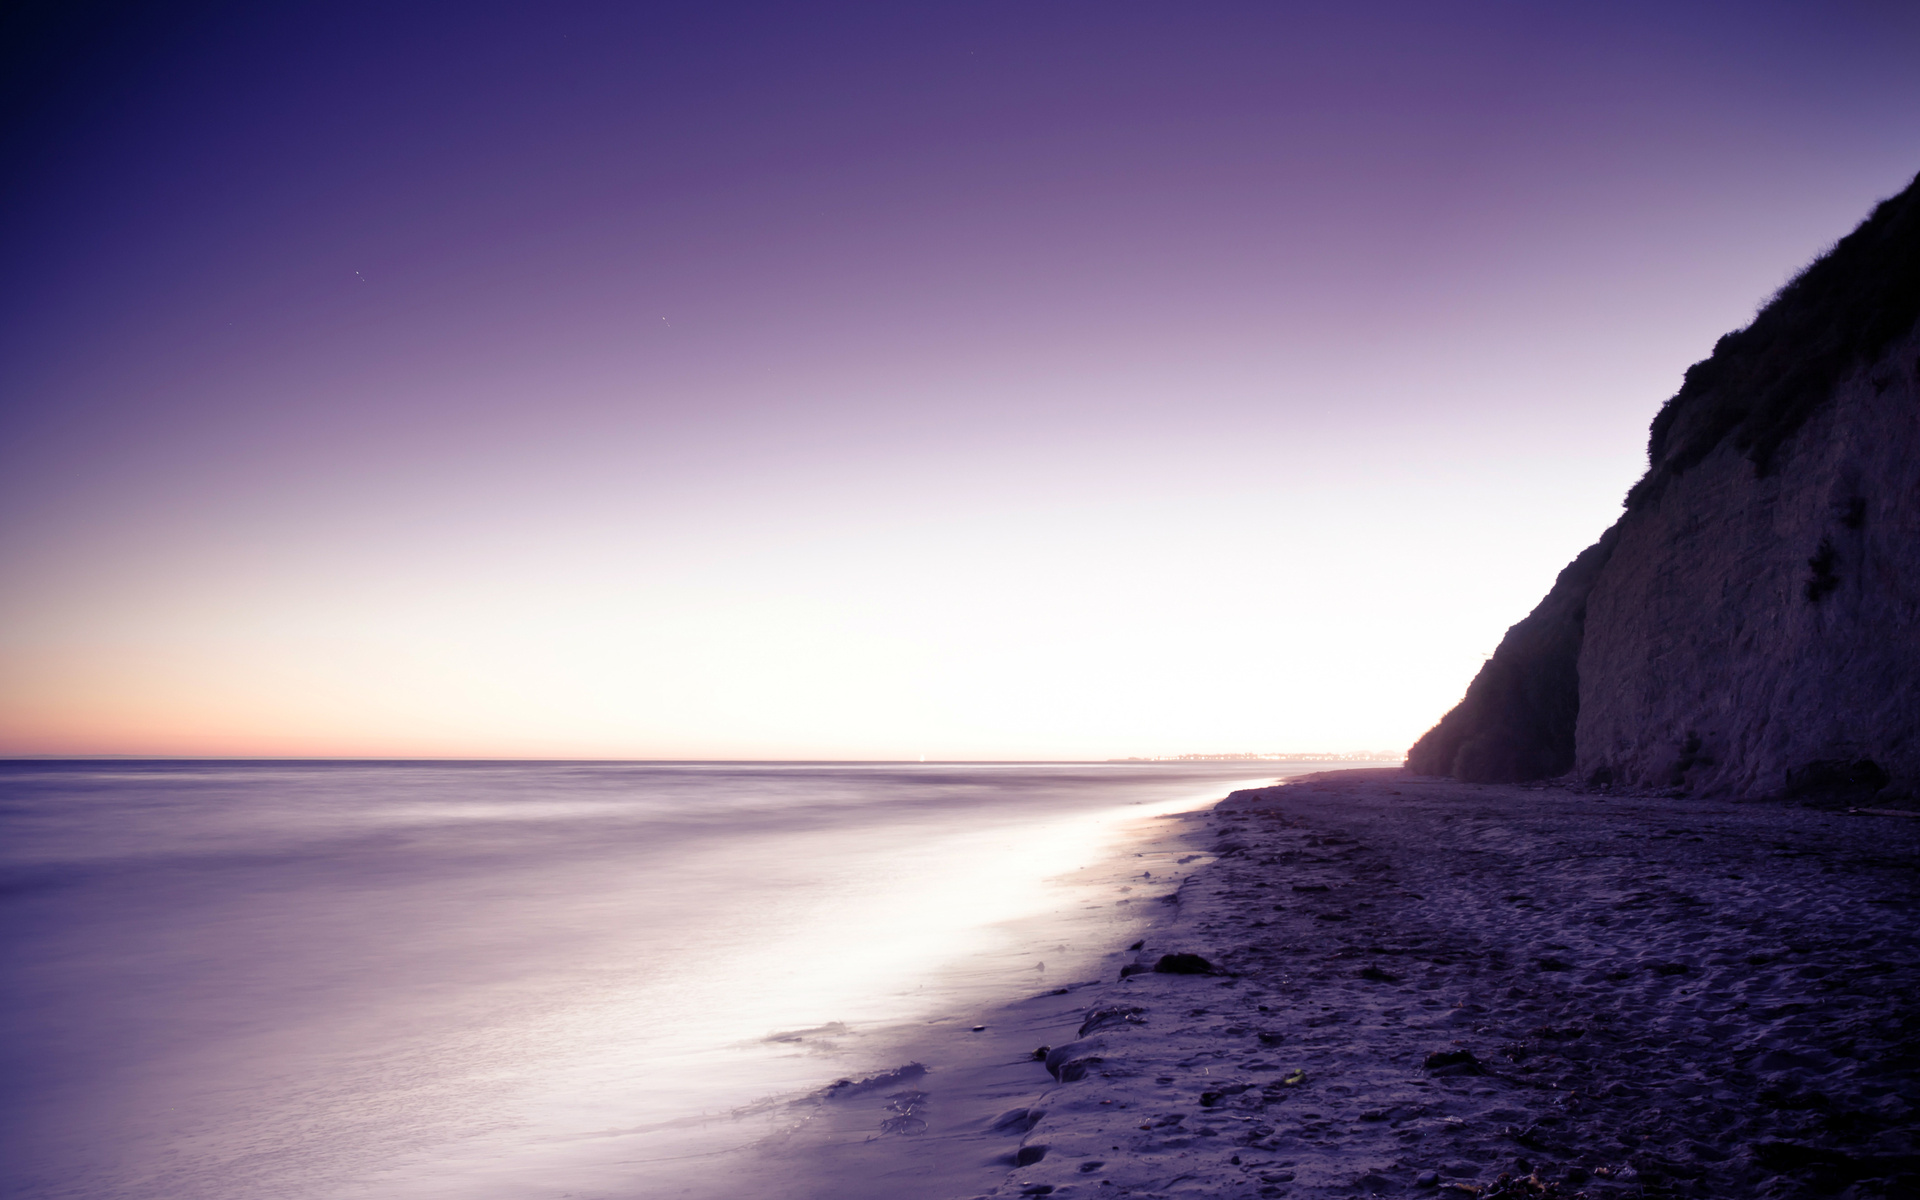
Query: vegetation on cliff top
x,y
1762,383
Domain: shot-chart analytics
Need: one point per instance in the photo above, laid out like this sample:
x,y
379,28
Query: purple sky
x,y
969,380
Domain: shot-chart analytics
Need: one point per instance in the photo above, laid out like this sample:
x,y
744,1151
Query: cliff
x,y
1751,624
1518,718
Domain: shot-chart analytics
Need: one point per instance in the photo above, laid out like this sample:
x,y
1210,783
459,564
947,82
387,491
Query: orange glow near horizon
x,y
1027,383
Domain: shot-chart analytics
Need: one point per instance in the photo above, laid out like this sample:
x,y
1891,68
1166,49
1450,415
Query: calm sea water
x,y
233,980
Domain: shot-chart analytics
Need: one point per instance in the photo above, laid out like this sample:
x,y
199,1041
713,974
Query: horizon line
x,y
1332,756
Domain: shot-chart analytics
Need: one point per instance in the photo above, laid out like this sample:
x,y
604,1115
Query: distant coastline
x,y
1366,756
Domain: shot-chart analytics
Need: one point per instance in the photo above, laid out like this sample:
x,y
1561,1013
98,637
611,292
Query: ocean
x,y
468,980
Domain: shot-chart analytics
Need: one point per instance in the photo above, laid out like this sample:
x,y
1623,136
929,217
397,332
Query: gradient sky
x,y
813,381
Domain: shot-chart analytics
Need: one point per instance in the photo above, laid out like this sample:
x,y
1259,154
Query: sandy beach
x,y
1408,985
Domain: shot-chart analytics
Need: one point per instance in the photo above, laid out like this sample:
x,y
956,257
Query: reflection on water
x,y
504,979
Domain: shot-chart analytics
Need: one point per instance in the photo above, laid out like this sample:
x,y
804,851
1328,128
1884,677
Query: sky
x,y
817,381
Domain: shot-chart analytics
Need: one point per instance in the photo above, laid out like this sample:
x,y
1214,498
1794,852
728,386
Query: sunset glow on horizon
x,y
862,382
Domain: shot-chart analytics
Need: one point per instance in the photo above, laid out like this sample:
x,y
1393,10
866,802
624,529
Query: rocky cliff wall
x,y
1762,634
1751,625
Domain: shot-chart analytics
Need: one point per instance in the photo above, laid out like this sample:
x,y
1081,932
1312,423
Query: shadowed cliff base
x,y
1517,720
1750,624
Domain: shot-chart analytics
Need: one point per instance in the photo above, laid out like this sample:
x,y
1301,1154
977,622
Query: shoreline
x,y
927,1118
1424,986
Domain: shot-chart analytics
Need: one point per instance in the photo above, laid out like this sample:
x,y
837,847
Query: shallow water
x,y
471,980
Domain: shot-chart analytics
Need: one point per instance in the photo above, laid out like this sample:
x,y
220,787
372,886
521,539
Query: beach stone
x,y
1427,1179
842,1088
1017,1120
1452,1062
1026,1156
1071,1062
1112,1014
1183,964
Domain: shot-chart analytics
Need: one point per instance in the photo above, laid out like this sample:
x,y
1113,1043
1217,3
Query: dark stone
x,y
1040,1055
1088,1168
1453,1062
840,1089
1134,969
1026,1156
1110,1015
1139,945
1528,1136
1209,1099
1427,1179
1183,964
1074,1060
1376,975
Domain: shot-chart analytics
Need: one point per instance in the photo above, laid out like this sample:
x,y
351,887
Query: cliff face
x,y
1751,624
1517,721
1759,635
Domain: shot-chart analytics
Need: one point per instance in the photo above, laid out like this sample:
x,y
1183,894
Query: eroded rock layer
x,y
1762,634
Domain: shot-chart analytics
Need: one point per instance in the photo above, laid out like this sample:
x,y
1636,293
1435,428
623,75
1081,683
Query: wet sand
x,y
931,1119
1423,987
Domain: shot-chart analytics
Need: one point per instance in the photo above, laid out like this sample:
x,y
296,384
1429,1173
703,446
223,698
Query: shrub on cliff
x,y
1761,383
